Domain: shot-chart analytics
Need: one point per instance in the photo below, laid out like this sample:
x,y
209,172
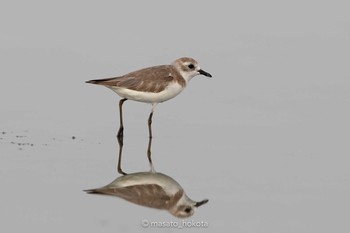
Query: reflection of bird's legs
x,y
120,142
121,127
150,137
120,136
149,154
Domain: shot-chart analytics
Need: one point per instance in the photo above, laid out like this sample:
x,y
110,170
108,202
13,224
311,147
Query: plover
x,y
155,190
153,84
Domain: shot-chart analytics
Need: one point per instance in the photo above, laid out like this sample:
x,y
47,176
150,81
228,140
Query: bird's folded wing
x,y
152,79
150,195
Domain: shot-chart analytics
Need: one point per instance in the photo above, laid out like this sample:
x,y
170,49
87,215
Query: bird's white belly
x,y
150,97
147,178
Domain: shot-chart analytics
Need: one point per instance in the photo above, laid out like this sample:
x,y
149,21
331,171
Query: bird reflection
x,y
152,189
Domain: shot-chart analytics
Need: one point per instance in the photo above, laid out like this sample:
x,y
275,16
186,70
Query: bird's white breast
x,y
170,186
172,90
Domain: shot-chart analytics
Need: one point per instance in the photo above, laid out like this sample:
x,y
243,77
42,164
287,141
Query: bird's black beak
x,y
198,204
204,73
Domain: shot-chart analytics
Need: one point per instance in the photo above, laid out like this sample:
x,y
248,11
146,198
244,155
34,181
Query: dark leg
x,y
149,154
120,142
149,124
120,136
150,138
121,127
150,120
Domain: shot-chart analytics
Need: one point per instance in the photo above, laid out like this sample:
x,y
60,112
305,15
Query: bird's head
x,y
185,207
188,68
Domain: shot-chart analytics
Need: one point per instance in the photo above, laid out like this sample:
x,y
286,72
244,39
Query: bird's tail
x,y
92,82
92,191
104,81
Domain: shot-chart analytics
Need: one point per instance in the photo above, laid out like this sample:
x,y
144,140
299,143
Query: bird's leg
x,y
149,154
150,121
121,127
150,125
120,142
150,138
120,136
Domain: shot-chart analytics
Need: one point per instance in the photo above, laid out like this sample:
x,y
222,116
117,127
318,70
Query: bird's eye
x,y
188,209
191,66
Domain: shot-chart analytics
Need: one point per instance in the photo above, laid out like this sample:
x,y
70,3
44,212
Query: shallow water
x,y
265,139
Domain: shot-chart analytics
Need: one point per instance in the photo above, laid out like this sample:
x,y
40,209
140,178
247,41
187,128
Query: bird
x,y
151,189
152,85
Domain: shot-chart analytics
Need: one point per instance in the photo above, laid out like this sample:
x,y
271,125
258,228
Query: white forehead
x,y
185,61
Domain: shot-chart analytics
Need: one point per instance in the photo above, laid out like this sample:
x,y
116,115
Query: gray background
x,y
266,139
